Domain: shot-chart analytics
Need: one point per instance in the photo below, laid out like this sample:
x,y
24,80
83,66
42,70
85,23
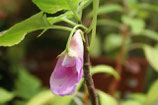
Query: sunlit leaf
x,y
17,33
152,56
42,98
60,100
5,96
152,96
104,69
106,99
53,6
130,102
140,97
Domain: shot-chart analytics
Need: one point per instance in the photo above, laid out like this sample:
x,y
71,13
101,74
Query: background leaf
x,y
5,96
106,99
26,85
152,96
152,56
42,98
104,69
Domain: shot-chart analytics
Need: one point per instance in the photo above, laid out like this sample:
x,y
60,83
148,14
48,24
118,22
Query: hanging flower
x,y
68,70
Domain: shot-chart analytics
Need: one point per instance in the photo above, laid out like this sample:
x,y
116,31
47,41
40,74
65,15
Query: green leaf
x,y
104,69
152,56
42,98
140,97
105,9
17,33
137,25
130,102
112,42
106,99
53,6
150,34
26,85
152,96
60,100
5,96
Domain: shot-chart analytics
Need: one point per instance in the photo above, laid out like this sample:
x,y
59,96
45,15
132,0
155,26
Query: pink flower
x,y
68,70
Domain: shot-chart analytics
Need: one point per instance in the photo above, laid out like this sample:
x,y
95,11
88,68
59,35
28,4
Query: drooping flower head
x,y
68,70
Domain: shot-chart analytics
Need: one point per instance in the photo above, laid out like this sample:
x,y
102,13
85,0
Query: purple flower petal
x,y
68,70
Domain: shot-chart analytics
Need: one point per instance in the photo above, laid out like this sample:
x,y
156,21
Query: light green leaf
x,y
140,97
42,98
26,85
130,102
150,34
53,6
108,9
104,69
152,96
137,25
5,96
106,99
152,56
112,42
60,100
17,33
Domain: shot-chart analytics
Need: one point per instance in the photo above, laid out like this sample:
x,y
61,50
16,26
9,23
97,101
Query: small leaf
x,y
152,56
5,96
104,69
53,6
152,96
17,33
106,99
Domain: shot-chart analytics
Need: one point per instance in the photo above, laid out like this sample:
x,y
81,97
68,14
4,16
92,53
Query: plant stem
x,y
115,82
87,75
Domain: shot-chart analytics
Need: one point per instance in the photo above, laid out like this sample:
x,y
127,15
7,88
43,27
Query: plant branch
x,y
87,75
115,82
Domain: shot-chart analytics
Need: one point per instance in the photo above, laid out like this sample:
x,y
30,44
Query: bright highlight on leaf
x,y
152,56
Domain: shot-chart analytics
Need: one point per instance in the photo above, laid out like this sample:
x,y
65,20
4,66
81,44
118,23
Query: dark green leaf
x,y
26,85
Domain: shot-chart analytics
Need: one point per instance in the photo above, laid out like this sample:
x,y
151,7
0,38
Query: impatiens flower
x,y
68,70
